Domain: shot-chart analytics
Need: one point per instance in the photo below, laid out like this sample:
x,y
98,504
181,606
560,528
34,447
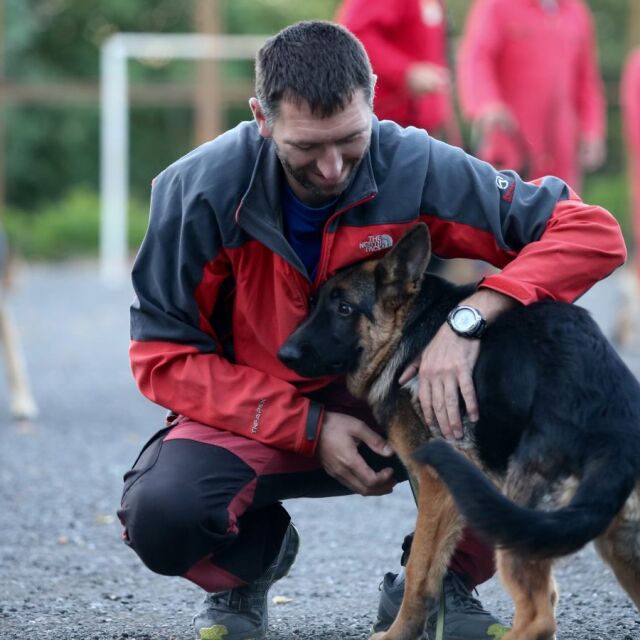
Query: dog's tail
x,y
599,497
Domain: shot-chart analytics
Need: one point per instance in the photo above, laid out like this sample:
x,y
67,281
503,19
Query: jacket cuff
x,y
313,426
508,287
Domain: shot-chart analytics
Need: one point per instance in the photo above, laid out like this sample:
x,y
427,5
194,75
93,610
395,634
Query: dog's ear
x,y
399,273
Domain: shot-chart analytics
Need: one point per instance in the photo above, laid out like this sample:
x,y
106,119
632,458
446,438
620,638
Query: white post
x,y
114,123
114,161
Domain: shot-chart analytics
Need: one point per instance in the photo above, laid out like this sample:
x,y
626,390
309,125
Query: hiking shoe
x,y
464,616
241,614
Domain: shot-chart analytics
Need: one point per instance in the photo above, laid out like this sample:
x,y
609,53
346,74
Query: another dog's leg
x,y
22,403
534,593
618,546
438,530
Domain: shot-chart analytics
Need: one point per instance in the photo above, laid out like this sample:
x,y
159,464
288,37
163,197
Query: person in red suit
x,y
529,82
407,44
630,101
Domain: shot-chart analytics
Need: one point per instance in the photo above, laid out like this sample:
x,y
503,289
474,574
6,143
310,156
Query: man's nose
x,y
330,163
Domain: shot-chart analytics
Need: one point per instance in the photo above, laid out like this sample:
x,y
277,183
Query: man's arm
x,y
549,244
176,357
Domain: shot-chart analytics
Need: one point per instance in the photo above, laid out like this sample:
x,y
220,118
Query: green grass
x,y
610,191
68,228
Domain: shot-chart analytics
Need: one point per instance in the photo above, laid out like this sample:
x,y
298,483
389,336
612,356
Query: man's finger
x,y
469,396
440,409
383,484
452,405
410,372
365,478
426,400
375,442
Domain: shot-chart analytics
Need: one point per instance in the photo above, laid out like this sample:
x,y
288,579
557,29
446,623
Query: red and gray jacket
x,y
219,289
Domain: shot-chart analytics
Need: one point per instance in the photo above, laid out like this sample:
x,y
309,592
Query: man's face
x,y
319,154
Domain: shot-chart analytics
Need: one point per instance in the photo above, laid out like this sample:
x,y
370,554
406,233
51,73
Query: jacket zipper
x,y
325,248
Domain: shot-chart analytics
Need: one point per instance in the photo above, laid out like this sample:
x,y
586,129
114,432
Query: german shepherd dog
x,y
552,463
23,406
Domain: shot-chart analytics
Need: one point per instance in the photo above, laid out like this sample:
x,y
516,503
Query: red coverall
x,y
630,100
396,34
541,64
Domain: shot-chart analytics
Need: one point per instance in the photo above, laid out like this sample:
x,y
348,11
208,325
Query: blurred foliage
x,y
53,150
68,227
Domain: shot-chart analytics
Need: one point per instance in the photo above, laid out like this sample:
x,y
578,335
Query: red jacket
x,y
543,65
630,99
219,288
396,34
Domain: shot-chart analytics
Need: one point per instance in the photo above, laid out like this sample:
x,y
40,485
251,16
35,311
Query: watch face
x,y
464,319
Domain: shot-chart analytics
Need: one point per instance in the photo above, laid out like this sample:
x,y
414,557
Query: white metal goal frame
x,y
115,54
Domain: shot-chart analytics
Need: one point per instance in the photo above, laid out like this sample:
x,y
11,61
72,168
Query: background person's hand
x,y
426,77
497,116
592,154
338,453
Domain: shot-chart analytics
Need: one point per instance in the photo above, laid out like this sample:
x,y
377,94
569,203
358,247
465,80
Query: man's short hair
x,y
318,62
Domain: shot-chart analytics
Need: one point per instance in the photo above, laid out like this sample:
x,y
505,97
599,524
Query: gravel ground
x,y
64,573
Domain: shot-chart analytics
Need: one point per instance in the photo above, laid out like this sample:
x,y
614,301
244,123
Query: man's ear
x,y
399,273
260,118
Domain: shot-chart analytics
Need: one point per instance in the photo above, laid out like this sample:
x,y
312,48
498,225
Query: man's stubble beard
x,y
299,176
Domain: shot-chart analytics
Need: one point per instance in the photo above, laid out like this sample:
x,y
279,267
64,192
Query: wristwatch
x,y
467,321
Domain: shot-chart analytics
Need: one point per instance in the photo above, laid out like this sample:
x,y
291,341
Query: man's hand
x,y
426,77
338,453
445,369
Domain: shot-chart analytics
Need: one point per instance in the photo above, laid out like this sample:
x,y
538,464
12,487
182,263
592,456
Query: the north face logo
x,y
376,243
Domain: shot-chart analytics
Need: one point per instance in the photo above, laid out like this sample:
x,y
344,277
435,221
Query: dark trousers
x,y
205,504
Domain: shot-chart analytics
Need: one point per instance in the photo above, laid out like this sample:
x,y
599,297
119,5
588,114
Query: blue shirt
x,y
303,227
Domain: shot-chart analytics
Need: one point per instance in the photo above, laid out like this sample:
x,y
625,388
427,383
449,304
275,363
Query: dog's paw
x,y
24,408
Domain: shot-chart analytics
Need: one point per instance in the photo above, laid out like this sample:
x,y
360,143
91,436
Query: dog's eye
x,y
345,309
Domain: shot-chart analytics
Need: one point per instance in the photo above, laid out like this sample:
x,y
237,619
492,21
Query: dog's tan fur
x,y
23,405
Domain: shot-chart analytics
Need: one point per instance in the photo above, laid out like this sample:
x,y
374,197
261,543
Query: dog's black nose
x,y
289,354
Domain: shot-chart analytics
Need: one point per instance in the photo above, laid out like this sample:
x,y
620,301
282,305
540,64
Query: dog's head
x,y
358,316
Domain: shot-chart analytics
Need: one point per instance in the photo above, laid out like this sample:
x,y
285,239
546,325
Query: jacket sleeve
x,y
375,23
478,84
548,243
591,104
176,356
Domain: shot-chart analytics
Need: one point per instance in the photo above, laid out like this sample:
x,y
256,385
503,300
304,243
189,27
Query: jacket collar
x,y
259,211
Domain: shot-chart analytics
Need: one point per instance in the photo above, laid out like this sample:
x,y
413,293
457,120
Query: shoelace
x,y
241,599
460,595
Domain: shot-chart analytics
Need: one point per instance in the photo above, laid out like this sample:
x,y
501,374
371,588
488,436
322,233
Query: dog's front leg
x,y
438,530
22,403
